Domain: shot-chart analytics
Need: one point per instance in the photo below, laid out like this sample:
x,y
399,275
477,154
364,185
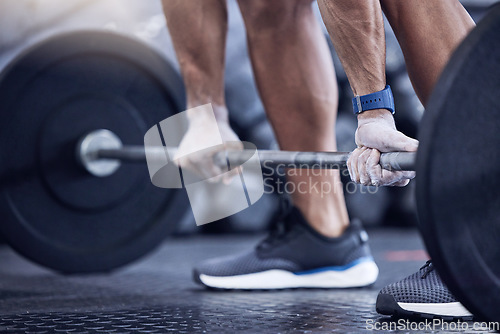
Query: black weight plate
x,y
458,183
53,211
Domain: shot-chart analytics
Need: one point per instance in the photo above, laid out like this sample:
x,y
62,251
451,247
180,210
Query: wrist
x,y
202,114
378,100
375,115
221,113
368,88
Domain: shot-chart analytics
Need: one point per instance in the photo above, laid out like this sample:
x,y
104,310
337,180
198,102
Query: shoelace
x,y
429,267
280,226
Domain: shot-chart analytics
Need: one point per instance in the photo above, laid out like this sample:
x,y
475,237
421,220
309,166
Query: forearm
x,y
198,30
356,29
357,32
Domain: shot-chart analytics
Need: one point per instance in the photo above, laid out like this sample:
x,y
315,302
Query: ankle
x,y
326,221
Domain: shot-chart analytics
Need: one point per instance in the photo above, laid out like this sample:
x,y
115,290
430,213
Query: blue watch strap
x,y
377,100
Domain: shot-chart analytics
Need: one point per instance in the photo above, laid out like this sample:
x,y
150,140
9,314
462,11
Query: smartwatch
x,y
377,100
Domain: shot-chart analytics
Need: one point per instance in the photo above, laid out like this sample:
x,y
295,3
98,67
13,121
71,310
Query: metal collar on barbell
x,y
87,152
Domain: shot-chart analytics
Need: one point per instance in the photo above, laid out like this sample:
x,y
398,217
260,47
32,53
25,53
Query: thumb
x,y
395,141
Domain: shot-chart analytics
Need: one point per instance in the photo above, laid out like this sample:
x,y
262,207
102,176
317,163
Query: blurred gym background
x,y
25,22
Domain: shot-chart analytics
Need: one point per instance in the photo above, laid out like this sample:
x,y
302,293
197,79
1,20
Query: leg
x,y
428,32
198,30
297,84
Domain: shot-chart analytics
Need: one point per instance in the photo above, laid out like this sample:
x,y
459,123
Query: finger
x,y
212,172
409,174
391,178
226,173
405,178
215,174
228,177
183,163
177,160
203,171
349,166
236,146
402,183
353,165
373,167
364,178
189,170
201,164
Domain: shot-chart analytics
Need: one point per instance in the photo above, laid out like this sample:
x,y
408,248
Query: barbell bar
x,y
100,152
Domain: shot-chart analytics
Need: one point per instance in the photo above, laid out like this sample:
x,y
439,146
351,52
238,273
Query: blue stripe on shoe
x,y
336,268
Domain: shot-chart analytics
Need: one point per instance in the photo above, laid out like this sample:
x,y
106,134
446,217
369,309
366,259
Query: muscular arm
x,y
357,32
198,30
428,32
356,29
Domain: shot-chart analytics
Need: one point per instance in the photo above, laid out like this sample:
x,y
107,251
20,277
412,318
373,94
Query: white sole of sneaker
x,y
359,275
444,309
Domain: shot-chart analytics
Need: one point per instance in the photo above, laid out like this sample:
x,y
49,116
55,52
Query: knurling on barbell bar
x,y
101,151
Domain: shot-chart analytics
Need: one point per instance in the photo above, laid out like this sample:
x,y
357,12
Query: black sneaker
x,y
421,295
295,256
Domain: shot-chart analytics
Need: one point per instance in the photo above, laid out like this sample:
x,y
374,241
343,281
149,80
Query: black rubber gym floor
x,y
157,295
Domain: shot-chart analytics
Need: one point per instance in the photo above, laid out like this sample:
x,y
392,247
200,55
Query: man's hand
x,y
377,133
202,162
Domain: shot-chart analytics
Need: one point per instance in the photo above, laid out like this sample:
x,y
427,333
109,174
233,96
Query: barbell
x,y
94,95
101,153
